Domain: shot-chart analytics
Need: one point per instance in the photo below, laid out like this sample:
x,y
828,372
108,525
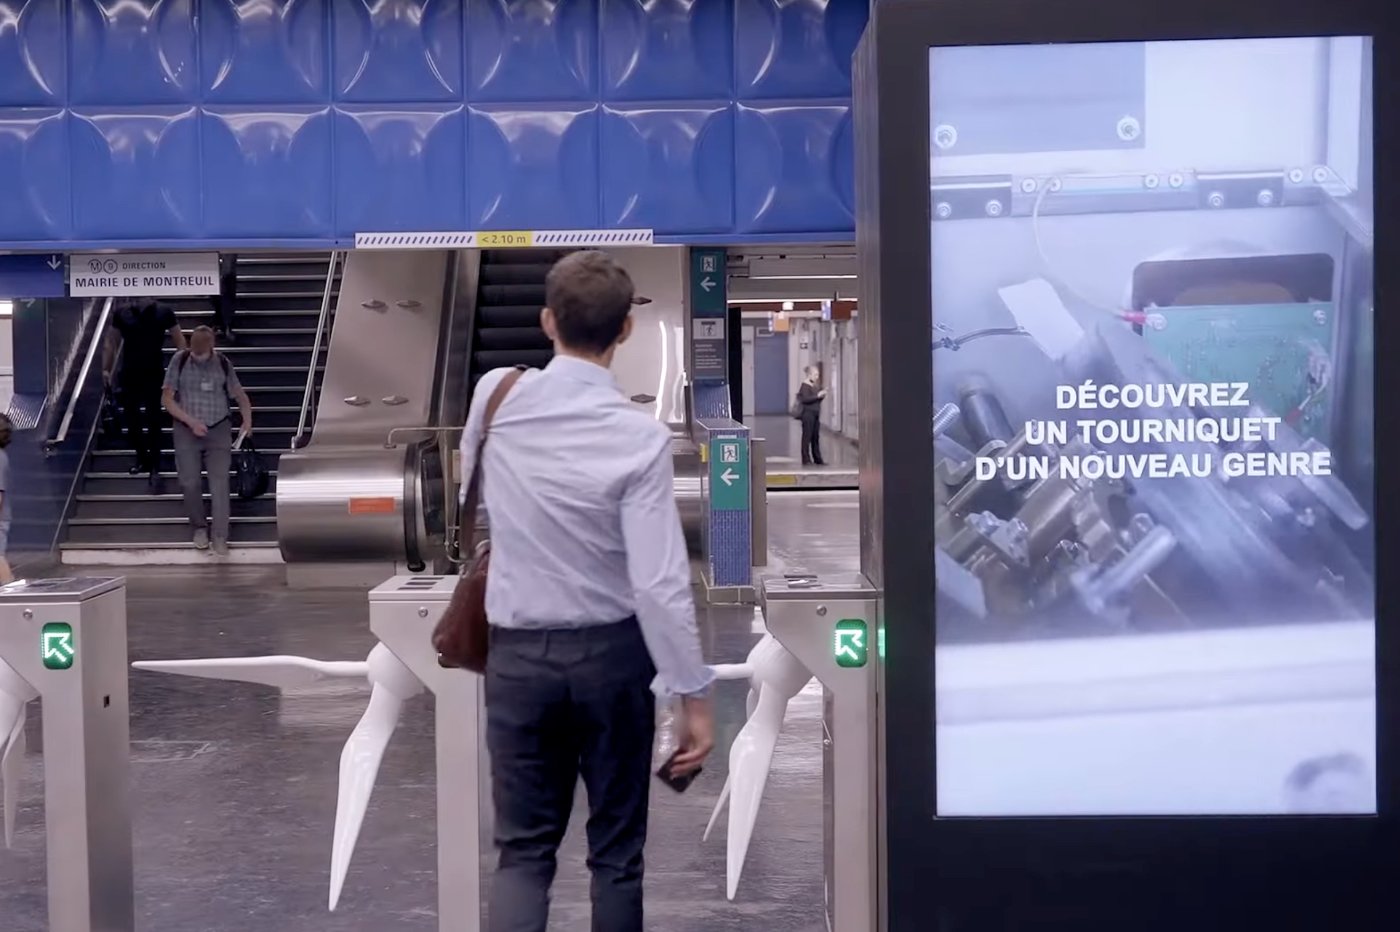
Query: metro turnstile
x,y
829,624
402,614
66,638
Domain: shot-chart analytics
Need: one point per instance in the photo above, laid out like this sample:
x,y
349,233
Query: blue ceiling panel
x,y
397,50
794,167
33,53
669,169
132,52
272,51
796,48
205,123
533,169
667,49
267,174
532,50
400,170
136,173
37,201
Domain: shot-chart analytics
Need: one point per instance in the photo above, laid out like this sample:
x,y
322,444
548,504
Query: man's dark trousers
x,y
140,401
560,703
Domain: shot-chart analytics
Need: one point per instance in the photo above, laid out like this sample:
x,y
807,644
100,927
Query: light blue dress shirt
x,y
584,526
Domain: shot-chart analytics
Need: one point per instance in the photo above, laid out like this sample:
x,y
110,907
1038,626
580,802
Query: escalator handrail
x,y
321,321
98,335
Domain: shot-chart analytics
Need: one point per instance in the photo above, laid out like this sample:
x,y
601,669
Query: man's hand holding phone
x,y
697,735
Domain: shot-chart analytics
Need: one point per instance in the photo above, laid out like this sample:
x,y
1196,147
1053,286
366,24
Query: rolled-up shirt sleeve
x,y
659,569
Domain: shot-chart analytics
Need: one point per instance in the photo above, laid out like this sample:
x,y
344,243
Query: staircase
x,y
279,302
510,295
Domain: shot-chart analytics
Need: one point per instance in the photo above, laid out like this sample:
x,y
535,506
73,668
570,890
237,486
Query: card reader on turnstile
x,y
828,622
63,641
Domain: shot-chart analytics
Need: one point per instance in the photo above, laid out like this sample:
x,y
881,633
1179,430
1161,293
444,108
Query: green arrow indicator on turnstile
x,y
58,648
851,647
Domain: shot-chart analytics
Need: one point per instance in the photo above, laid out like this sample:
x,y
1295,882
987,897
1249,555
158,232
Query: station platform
x,y
783,450
235,785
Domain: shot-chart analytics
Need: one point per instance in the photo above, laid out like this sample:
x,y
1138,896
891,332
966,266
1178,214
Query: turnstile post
x,y
67,639
829,624
403,613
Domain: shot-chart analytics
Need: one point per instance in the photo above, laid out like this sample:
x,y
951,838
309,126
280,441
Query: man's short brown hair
x,y
591,296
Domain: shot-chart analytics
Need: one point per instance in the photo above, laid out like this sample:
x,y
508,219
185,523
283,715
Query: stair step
x,y
268,397
144,533
164,545
121,461
170,507
149,497
266,376
173,519
122,486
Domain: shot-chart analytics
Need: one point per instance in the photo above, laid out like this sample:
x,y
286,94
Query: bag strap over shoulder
x,y
467,519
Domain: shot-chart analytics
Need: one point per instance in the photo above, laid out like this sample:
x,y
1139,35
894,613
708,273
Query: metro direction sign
x,y
144,275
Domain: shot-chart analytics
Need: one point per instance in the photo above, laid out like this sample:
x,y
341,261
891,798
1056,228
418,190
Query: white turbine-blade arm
x,y
750,704
750,759
15,695
719,808
12,760
732,671
392,683
281,671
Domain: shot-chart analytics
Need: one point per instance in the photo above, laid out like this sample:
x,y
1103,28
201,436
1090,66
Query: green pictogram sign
x,y
851,645
729,474
58,649
709,282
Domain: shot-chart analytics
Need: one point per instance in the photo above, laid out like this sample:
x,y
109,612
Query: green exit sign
x,y
851,646
57,646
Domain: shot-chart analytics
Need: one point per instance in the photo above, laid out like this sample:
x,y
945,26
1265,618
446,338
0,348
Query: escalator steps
x,y
511,338
508,315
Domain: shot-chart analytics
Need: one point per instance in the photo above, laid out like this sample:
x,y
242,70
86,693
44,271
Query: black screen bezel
x,y
1075,873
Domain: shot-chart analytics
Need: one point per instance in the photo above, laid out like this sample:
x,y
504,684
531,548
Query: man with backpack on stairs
x,y
199,385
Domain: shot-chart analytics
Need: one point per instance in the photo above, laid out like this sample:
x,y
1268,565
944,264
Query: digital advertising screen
x,y
1153,428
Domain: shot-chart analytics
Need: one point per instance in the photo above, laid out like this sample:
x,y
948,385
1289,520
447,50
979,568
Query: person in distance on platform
x,y
138,332
226,301
6,574
810,395
198,387
589,599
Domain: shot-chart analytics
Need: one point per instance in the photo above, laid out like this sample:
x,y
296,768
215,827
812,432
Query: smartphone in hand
x,y
678,783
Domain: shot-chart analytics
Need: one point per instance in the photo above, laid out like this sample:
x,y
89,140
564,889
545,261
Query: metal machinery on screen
x,y
1152,359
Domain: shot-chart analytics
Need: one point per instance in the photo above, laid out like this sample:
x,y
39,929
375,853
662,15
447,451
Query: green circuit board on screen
x,y
1273,347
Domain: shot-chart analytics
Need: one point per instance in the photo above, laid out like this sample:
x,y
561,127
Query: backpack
x,y
251,478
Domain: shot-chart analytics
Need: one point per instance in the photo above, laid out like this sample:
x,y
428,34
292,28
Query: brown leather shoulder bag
x,y
462,636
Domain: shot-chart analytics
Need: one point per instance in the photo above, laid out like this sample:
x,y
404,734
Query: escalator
x,y
510,294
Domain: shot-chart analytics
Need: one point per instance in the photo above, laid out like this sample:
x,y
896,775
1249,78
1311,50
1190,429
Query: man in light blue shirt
x,y
589,599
